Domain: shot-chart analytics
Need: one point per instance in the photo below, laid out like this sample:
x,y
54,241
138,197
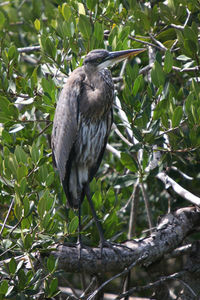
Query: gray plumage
x,y
82,122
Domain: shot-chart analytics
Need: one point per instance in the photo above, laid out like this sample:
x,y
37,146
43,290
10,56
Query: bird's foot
x,y
80,247
110,245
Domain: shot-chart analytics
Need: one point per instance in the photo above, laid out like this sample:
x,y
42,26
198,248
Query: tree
x,y
151,168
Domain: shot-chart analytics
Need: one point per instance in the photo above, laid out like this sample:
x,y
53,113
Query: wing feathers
x,y
65,121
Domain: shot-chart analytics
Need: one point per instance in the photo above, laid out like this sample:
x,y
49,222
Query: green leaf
x,y
177,116
124,33
43,173
128,161
37,24
137,83
28,241
168,62
12,266
50,179
23,185
190,48
20,154
66,11
2,20
22,171
137,134
3,287
98,31
4,103
73,225
4,118
42,206
157,75
50,47
12,52
91,4
161,108
53,287
85,26
12,164
35,154
18,210
81,9
51,263
26,206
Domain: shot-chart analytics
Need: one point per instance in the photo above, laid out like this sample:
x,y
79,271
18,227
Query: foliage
x,y
162,108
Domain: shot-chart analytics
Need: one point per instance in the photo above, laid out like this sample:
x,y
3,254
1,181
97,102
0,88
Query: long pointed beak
x,y
118,56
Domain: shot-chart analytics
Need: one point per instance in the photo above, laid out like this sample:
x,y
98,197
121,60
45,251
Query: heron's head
x,y
99,59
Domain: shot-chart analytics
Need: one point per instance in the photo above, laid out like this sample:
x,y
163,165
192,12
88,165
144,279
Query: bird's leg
x,y
99,228
79,240
103,242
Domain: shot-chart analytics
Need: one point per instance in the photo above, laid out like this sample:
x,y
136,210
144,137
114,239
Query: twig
x,y
4,3
146,69
113,150
179,251
42,131
6,218
88,287
162,47
133,213
148,209
121,136
193,69
157,283
182,174
144,42
124,272
28,49
178,188
124,120
180,27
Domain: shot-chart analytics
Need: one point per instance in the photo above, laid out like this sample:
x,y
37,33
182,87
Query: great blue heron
x,y
82,124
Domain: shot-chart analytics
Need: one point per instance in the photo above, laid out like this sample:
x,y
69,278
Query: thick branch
x,y
169,234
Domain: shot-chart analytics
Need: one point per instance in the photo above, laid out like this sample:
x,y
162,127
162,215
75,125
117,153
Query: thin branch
x,y
6,218
146,69
122,137
148,209
29,49
124,120
193,69
4,3
133,213
144,42
162,47
113,150
181,173
178,188
180,27
42,131
117,276
179,251
155,284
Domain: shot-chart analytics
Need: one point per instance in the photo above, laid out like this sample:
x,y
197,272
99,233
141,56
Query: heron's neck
x,y
95,79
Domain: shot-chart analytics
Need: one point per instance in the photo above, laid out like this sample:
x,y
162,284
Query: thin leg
x,y
99,228
79,241
103,242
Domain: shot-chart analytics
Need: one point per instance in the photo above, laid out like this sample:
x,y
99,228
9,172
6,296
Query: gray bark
x,y
169,234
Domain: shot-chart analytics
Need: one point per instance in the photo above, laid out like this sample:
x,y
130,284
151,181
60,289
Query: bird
x,y
82,124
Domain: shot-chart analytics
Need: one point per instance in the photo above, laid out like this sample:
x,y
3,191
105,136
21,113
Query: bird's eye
x,y
99,60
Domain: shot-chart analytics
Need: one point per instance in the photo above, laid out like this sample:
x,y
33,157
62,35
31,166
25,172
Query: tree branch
x,y
178,188
169,234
